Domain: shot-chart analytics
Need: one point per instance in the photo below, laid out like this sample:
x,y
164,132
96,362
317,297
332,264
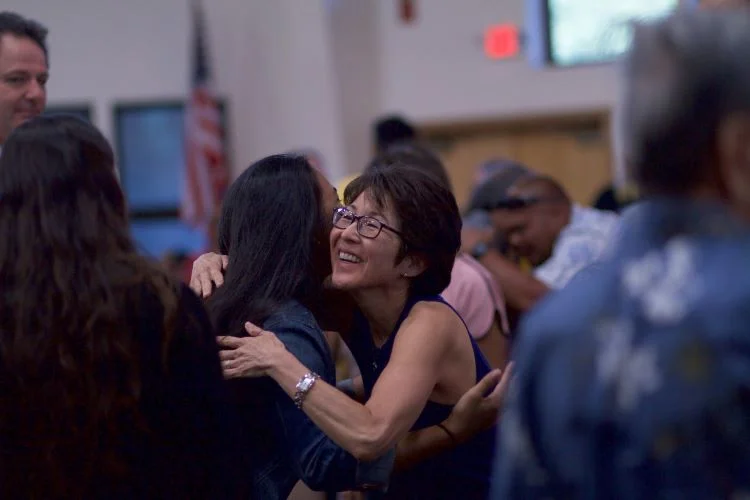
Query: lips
x,y
27,114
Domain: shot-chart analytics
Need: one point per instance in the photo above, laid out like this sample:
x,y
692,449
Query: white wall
x,y
306,73
355,49
435,68
271,59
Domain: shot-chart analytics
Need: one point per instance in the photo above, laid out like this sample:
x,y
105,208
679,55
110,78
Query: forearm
x,y
521,290
421,445
348,423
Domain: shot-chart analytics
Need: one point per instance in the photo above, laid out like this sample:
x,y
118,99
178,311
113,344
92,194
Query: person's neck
x,y
567,214
382,309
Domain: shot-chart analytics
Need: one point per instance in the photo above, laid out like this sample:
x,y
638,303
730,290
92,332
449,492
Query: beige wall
x,y
307,73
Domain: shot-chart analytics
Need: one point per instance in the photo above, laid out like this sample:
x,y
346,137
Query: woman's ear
x,y
412,266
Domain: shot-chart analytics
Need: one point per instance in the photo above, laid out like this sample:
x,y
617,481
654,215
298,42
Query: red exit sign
x,y
502,41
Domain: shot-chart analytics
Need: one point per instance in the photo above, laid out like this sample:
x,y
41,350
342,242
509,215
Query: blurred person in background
x,y
23,71
615,198
634,381
542,226
557,236
387,131
391,130
492,181
110,382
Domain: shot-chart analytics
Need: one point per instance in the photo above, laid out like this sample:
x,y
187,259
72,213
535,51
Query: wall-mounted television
x,y
580,32
149,139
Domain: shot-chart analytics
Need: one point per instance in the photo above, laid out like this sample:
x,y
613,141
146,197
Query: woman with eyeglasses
x,y
274,228
392,249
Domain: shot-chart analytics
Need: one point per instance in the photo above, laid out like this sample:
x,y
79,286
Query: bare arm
x,y
473,413
521,290
367,431
397,399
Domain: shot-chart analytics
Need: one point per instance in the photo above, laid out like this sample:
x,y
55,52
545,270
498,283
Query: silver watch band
x,y
303,387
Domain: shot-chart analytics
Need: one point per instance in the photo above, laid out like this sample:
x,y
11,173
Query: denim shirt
x,y
634,381
284,445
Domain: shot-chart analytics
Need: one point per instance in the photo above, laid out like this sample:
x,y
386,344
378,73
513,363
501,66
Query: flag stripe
x,y
206,175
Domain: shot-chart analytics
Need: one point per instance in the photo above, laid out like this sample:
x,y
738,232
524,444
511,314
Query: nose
x,y
351,233
35,91
515,240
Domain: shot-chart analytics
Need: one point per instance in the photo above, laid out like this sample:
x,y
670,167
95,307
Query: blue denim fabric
x,y
633,382
284,445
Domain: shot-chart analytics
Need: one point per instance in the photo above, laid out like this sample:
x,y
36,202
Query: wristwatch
x,y
480,250
303,387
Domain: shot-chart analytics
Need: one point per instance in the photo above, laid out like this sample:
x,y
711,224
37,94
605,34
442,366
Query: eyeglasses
x,y
367,227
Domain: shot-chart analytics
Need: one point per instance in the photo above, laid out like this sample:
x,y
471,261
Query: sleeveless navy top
x,y
463,472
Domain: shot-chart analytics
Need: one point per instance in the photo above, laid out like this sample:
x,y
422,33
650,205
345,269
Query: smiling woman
x,y
23,71
393,249
278,261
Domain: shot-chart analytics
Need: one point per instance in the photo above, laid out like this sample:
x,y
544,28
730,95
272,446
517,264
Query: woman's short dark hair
x,y
417,156
427,210
274,231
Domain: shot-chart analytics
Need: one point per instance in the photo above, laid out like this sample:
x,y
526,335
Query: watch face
x,y
305,384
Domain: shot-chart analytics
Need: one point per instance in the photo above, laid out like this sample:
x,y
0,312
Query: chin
x,y
340,284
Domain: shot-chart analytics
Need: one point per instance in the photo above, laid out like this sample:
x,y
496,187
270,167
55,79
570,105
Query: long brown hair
x,y
69,277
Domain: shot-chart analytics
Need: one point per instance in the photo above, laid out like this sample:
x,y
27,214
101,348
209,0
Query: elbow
x,y
315,480
371,445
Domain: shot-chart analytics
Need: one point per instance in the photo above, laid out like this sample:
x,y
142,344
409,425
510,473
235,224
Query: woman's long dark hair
x,y
274,231
69,376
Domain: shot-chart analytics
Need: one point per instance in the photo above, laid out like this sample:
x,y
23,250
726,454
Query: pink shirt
x,y
477,297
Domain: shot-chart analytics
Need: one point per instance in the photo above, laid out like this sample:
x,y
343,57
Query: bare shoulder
x,y
433,318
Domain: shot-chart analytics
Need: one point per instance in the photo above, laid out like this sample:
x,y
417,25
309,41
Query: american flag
x,y
206,173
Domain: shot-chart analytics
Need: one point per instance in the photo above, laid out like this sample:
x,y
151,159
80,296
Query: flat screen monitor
x,y
595,31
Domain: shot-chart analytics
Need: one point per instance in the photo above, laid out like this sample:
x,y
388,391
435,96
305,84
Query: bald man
x,y
557,236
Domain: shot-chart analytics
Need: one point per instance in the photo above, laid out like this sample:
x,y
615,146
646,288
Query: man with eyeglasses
x,y
557,236
23,71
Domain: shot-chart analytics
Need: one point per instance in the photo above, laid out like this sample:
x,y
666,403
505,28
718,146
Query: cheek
x,y
334,236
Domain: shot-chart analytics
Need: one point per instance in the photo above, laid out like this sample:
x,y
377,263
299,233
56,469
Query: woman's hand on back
x,y
250,356
475,411
208,271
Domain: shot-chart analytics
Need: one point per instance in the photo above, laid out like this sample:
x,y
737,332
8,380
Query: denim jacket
x,y
634,380
283,444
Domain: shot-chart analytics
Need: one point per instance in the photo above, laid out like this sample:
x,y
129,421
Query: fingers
x,y
487,383
501,389
229,342
232,373
252,330
205,284
207,271
227,355
230,364
195,285
217,276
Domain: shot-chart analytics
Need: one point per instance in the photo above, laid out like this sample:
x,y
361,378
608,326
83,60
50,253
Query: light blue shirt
x,y
581,243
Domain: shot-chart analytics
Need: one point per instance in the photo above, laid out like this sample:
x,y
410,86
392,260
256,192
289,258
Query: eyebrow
x,y
353,208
